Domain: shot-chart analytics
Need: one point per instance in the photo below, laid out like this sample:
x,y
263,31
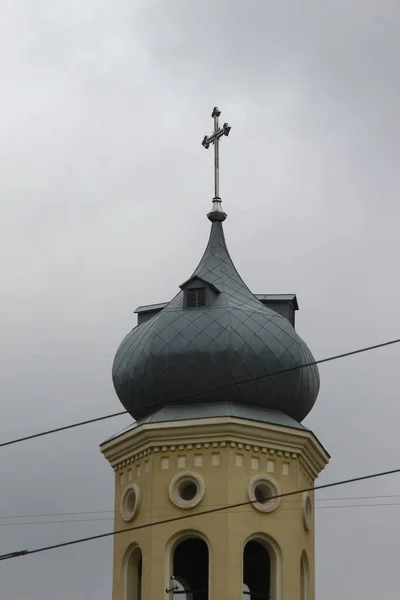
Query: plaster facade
x,y
226,454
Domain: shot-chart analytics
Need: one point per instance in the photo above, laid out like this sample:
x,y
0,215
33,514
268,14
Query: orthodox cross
x,y
214,139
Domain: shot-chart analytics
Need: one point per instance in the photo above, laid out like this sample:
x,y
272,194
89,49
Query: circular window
x,y
308,511
130,502
262,492
186,489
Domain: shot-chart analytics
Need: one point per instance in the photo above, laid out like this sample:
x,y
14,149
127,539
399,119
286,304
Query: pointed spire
x,y
217,268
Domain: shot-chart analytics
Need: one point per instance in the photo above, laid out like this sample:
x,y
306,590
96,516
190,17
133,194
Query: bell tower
x,y
218,382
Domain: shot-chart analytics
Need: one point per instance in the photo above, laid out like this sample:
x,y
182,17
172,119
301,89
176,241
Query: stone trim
x,y
181,478
307,511
217,433
273,488
128,514
306,471
154,448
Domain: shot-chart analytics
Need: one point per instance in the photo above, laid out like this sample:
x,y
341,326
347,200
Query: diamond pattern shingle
x,y
208,354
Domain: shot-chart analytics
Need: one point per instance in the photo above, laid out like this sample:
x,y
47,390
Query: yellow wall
x,y
232,452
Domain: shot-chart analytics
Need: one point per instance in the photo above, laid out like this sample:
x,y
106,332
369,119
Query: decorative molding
x,y
307,472
247,448
307,511
269,488
130,501
296,444
178,482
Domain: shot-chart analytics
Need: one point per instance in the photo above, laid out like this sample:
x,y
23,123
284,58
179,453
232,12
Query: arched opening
x,y
304,577
133,569
256,572
190,569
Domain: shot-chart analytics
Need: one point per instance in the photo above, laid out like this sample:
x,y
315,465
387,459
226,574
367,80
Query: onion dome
x,y
215,342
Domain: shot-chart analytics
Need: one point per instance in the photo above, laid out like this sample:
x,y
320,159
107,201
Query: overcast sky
x,y
104,188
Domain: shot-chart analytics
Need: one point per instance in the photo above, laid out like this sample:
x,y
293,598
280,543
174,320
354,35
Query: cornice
x,y
213,433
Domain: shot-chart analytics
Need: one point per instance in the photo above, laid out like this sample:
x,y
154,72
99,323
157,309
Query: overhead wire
x,y
203,392
64,428
19,553
111,511
65,521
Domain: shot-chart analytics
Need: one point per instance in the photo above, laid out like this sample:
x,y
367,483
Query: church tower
x,y
218,382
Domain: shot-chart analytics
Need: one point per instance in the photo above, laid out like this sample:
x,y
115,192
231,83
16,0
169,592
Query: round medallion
x,y
308,511
262,490
130,502
186,489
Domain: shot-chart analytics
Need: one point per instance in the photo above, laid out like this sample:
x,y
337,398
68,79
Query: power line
x,y
197,514
196,394
64,521
63,514
359,505
111,511
64,428
56,522
119,431
281,372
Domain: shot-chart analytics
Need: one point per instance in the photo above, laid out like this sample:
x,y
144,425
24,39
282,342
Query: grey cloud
x,y
103,194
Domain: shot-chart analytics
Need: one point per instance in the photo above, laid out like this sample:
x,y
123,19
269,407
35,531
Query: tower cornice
x,y
263,438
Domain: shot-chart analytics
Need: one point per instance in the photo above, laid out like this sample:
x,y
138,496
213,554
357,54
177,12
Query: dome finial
x,y
216,214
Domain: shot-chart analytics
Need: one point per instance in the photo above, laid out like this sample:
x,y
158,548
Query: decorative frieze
x,y
266,441
239,460
215,459
198,459
306,471
270,466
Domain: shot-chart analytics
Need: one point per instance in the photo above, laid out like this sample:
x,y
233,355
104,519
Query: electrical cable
x,y
117,433
96,512
63,521
20,553
196,394
79,424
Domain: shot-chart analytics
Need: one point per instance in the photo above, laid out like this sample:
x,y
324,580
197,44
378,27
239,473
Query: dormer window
x,y
195,297
198,292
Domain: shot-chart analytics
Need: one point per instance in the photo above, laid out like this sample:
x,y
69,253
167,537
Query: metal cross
x,y
214,139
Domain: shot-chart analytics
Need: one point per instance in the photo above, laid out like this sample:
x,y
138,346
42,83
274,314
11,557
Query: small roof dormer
x,y
198,292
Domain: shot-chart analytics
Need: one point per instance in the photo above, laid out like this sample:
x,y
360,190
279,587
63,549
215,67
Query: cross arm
x,y
210,139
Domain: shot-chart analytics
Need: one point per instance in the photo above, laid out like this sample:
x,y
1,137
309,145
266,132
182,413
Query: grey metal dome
x,y
224,351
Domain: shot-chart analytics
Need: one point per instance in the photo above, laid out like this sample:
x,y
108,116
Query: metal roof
x,y
226,349
173,413
261,297
279,298
150,307
181,412
205,281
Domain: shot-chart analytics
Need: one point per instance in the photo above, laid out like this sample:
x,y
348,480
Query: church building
x,y
218,382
